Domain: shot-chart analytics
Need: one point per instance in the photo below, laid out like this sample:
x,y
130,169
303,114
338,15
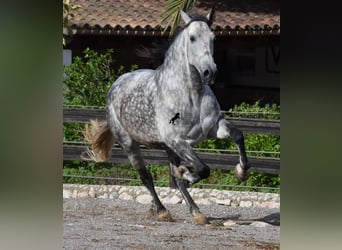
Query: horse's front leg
x,y
225,130
187,154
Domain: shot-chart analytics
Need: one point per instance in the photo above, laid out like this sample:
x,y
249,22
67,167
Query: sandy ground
x,y
93,223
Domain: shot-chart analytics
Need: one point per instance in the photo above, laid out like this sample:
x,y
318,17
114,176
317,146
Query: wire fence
x,y
222,111
165,183
249,113
114,179
231,151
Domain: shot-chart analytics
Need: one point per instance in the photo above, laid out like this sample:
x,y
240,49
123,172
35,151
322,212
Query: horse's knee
x,y
226,130
200,175
204,172
237,135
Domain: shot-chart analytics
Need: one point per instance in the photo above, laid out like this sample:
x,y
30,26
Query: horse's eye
x,y
192,38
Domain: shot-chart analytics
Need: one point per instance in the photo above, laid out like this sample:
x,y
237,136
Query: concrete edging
x,y
173,196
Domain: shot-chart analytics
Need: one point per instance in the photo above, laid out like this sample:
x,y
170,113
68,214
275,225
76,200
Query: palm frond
x,y
171,13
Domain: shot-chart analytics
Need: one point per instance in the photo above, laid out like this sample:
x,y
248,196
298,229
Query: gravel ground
x,y
94,223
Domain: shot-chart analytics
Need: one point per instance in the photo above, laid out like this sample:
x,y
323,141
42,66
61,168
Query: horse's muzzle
x,y
209,76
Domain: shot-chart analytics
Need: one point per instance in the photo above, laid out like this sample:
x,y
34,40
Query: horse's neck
x,y
176,73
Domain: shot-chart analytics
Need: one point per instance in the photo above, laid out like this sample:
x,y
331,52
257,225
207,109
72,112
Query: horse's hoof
x,y
241,173
164,216
200,219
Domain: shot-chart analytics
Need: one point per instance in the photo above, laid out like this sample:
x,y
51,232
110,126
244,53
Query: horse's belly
x,y
138,121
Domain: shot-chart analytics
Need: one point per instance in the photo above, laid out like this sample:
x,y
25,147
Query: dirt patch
x,y
91,223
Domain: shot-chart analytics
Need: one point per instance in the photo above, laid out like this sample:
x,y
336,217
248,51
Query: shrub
x,y
86,83
88,79
255,110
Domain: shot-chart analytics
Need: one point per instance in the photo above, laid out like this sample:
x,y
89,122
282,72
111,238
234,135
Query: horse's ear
x,y
210,15
185,17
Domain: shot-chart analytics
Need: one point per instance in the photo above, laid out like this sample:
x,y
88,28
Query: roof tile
x,y
134,15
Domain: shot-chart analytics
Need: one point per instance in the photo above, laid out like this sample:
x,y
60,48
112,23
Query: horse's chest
x,y
192,126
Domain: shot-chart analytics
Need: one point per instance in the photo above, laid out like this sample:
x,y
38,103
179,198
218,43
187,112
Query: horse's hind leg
x,y
134,156
182,186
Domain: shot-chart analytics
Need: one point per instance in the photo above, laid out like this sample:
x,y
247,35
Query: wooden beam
x,y
247,125
158,157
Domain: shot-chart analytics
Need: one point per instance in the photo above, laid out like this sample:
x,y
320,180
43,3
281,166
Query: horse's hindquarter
x,y
130,103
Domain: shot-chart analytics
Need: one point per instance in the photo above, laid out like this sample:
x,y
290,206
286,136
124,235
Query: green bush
x,y
86,83
226,178
88,79
105,169
255,110
259,142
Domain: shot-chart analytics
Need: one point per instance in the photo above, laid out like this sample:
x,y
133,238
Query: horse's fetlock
x,y
241,172
200,219
164,215
181,172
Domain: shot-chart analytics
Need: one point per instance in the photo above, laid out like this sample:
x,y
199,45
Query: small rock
x,y
229,223
82,194
270,204
173,200
234,204
144,199
225,202
92,193
203,201
113,195
103,196
256,204
124,196
74,193
246,203
66,194
259,224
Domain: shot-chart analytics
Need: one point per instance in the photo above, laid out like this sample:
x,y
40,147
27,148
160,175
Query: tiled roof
x,y
129,17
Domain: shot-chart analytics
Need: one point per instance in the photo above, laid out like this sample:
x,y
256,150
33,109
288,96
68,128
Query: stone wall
x,y
173,196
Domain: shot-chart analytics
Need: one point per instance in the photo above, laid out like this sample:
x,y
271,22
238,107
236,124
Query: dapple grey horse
x,y
170,108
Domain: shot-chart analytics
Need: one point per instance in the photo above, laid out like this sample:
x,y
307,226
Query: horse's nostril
x,y
206,73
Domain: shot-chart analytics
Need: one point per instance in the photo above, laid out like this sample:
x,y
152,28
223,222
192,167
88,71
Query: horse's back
x,y
130,102
130,81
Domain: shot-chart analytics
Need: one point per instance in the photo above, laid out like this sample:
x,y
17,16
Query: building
x,y
247,45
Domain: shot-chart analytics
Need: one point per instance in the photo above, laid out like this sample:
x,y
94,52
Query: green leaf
x,y
171,13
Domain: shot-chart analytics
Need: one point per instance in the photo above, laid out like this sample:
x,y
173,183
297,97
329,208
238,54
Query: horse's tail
x,y
101,139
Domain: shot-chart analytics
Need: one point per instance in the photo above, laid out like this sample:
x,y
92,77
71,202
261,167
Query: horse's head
x,y
200,47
